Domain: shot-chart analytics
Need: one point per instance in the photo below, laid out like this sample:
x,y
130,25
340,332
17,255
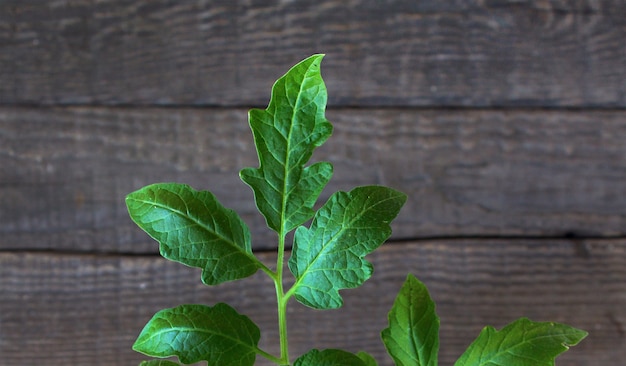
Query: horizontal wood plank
x,y
444,53
64,172
87,309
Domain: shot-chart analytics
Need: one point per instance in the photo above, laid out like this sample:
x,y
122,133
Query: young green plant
x,y
195,229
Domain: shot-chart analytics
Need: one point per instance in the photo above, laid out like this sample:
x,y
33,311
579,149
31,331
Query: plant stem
x,y
282,327
281,300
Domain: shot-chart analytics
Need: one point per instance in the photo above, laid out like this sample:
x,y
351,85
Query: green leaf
x,y
196,333
329,357
521,343
285,135
413,334
328,257
367,359
159,363
193,228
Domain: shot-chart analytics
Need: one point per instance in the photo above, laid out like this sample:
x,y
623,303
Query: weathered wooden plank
x,y
469,53
64,172
85,309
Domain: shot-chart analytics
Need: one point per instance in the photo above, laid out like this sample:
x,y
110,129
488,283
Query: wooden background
x,y
503,120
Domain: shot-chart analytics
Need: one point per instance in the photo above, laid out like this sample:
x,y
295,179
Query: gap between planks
x,y
577,240
335,107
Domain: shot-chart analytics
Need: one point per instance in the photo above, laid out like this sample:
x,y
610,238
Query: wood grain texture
x,y
87,309
81,83
64,172
452,53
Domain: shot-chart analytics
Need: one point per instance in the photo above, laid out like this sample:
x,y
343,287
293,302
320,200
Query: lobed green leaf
x,y
193,228
521,343
412,338
285,135
328,256
329,357
218,335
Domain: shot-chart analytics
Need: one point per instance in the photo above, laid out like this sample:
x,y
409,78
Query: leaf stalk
x,y
269,356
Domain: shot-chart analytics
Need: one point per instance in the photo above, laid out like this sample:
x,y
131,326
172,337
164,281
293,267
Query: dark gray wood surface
x,y
455,53
87,309
66,171
503,120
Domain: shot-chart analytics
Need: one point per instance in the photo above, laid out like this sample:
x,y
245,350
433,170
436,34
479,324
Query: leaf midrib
x,y
195,221
287,169
183,329
501,351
